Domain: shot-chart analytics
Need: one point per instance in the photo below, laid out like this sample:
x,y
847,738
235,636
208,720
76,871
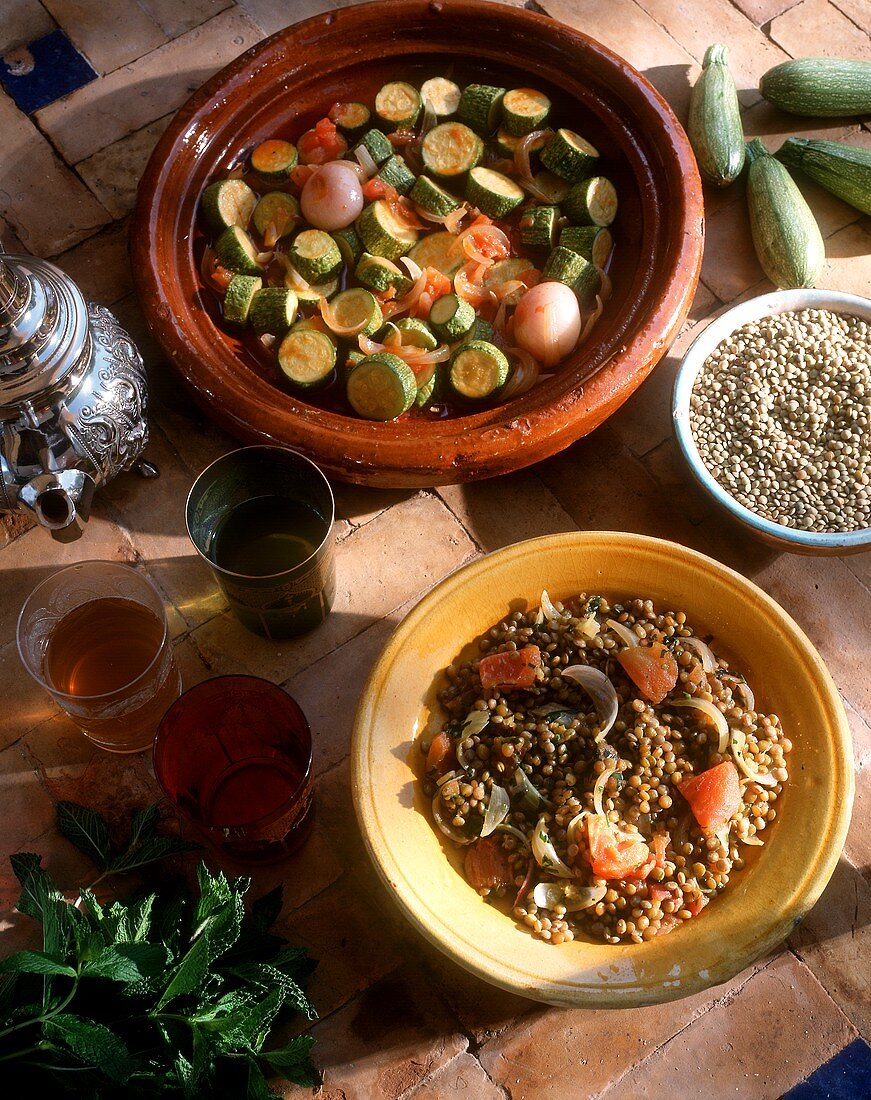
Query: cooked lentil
x,y
780,414
553,732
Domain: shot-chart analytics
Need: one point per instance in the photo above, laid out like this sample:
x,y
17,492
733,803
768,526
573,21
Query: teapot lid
x,y
43,327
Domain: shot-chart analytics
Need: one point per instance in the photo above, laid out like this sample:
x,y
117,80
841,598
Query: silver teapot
x,y
73,393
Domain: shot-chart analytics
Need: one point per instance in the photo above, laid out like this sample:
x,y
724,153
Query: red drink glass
x,y
234,755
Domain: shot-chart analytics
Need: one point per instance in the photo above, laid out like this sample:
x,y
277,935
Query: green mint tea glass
x,y
262,518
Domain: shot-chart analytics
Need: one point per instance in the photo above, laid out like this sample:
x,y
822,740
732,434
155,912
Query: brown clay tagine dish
x,y
281,87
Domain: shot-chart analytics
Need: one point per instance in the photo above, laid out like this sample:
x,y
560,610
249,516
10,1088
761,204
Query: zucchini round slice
x,y
524,110
507,143
315,255
274,159
593,242
504,271
450,150
228,202
416,334
564,266
355,309
426,390
567,154
479,107
592,202
553,187
395,173
377,145
494,194
452,317
273,309
276,209
381,274
443,96
478,370
433,199
381,387
350,245
538,227
307,357
398,104
438,250
313,294
352,118
236,251
382,233
237,299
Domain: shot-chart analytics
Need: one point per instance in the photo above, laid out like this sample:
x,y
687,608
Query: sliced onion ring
x,y
548,895
550,612
450,831
703,651
627,637
601,691
366,161
498,809
545,854
525,373
599,790
737,744
521,153
710,711
512,830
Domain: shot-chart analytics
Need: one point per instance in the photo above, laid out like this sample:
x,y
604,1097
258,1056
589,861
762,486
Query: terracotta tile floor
x,y
67,183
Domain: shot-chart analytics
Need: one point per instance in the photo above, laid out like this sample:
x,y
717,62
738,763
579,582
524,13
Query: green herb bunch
x,y
168,994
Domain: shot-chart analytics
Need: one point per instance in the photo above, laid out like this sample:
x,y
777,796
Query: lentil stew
x,y
602,768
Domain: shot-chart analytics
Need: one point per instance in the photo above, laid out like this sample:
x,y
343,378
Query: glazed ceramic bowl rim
x,y
759,934
484,443
754,309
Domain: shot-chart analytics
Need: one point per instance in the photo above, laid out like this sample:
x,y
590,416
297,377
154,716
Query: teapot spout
x,y
60,502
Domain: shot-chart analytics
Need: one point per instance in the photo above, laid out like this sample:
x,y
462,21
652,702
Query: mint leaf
x,y
87,830
41,900
143,823
127,962
258,1089
148,851
266,910
189,973
268,976
93,1045
139,918
293,1061
248,1028
35,962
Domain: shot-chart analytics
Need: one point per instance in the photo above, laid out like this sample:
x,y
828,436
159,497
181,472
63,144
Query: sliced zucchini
x,y
276,209
416,334
382,233
564,266
504,271
443,96
398,105
450,150
315,255
377,145
591,202
588,283
438,250
426,390
552,187
524,110
593,242
350,245
273,309
274,159
395,172
381,274
352,118
433,199
356,309
494,194
479,107
481,330
452,317
228,202
313,293
237,298
236,251
307,357
478,370
381,387
538,227
352,357
570,156
507,143
315,323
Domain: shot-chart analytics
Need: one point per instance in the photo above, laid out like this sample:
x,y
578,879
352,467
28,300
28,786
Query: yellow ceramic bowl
x,y
762,903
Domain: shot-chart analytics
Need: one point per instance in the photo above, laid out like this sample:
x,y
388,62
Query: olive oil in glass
x,y
266,536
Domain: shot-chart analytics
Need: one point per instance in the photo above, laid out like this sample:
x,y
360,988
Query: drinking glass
x,y
234,755
279,575
95,636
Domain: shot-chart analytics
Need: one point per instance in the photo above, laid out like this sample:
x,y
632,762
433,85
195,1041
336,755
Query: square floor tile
x,y
43,71
847,1076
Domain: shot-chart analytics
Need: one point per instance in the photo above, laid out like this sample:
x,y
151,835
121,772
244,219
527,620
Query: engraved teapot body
x,y
73,394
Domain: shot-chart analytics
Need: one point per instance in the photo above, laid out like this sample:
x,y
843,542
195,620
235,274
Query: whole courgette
x,y
786,237
819,86
714,125
845,170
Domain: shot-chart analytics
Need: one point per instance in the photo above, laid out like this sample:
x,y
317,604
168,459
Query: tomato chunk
x,y
615,856
714,795
441,754
486,864
512,669
651,668
322,143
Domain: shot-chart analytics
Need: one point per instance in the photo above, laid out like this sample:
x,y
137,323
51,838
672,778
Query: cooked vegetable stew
x,y
603,769
446,244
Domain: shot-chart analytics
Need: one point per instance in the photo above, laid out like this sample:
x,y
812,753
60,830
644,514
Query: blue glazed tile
x,y
43,71
847,1076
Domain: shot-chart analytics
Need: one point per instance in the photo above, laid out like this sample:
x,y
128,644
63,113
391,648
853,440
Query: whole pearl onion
x,y
547,322
332,198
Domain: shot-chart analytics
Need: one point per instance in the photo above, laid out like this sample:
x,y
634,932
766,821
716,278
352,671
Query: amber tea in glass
x,y
262,518
95,636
